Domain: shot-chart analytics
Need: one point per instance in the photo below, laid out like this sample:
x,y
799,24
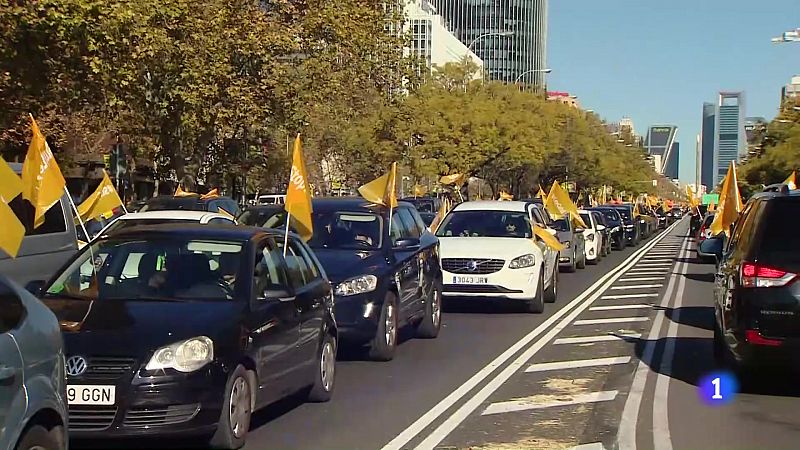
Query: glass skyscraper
x,y
730,142
511,35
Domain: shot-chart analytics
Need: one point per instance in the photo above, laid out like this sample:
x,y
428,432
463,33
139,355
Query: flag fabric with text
x,y
730,203
298,195
791,181
560,206
381,190
102,201
13,231
43,183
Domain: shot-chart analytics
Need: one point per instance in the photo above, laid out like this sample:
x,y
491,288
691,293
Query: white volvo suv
x,y
488,249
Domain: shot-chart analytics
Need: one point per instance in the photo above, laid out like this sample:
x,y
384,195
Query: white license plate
x,y
470,280
86,394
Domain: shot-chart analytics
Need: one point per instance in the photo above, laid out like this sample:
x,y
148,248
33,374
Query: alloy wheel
x,y
327,365
390,325
436,308
239,407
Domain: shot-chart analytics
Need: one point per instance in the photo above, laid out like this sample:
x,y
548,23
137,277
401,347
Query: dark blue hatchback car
x,y
384,277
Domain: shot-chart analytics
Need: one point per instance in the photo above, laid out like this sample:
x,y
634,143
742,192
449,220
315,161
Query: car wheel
x,y
719,347
234,420
621,243
582,263
551,295
429,327
536,304
384,343
324,376
38,437
571,268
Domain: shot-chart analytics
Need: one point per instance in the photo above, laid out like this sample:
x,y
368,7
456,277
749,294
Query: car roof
x,y
355,204
193,231
180,214
492,205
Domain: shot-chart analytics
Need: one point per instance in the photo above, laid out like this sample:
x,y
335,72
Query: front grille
x,y
482,266
169,415
107,369
91,418
479,289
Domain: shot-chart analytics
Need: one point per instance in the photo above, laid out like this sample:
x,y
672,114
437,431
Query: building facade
x,y
707,145
730,142
431,41
660,144
565,98
509,36
792,90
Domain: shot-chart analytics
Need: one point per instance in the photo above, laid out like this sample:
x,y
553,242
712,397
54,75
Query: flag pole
x,y
286,234
77,214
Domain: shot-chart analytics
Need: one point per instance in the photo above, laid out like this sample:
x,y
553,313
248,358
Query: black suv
x,y
630,226
615,225
383,276
756,297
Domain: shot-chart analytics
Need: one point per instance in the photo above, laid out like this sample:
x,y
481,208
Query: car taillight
x,y
756,275
755,338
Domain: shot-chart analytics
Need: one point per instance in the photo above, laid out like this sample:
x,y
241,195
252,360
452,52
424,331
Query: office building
x,y
707,146
755,129
791,90
509,36
730,142
431,41
660,144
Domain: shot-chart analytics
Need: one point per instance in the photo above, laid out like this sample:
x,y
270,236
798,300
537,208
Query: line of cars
x,y
756,295
180,323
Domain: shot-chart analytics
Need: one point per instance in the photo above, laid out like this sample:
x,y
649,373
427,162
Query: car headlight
x,y
628,227
520,262
566,243
183,356
590,237
357,285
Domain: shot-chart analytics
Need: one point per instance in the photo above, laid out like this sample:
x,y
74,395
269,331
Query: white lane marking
x,y
628,280
654,264
662,439
636,286
658,259
527,405
616,307
577,364
592,446
626,433
649,269
624,296
450,424
592,339
611,320
400,441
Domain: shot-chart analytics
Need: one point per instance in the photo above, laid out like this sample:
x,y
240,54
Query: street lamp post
x,y
547,70
485,35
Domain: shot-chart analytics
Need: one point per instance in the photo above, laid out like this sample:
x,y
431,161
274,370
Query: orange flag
x,y
43,183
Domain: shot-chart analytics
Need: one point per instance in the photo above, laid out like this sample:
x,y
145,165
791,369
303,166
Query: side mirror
x,y
406,244
601,228
580,230
281,295
712,246
35,287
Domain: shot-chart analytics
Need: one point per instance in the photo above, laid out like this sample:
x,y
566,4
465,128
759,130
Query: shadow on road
x,y
693,316
704,277
470,305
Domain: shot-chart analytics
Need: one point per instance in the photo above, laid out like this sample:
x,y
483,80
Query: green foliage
x,y
781,151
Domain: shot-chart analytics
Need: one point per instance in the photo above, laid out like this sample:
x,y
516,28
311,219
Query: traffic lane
x,y
373,402
763,416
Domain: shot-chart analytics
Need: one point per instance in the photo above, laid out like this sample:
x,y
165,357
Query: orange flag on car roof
x,y
791,181
730,203
381,190
298,194
42,181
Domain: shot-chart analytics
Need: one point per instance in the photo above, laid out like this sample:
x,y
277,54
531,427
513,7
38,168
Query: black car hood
x,y
135,328
343,264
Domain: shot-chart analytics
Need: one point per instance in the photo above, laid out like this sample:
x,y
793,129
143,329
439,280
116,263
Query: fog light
x,y
368,309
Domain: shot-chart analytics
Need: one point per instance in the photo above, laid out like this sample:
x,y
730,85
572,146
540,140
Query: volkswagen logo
x,y
472,266
76,366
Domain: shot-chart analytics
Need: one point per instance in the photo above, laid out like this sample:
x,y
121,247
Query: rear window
x,y
779,244
168,204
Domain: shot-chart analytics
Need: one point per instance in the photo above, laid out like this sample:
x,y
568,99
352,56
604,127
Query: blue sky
x,y
658,61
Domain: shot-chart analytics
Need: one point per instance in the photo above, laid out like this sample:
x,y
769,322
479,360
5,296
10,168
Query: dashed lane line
x,y
631,280
618,307
593,339
577,364
526,405
625,296
610,320
636,286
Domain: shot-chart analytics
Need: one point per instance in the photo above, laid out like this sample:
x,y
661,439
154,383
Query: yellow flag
x,y
298,195
443,210
560,206
419,190
10,183
43,184
541,194
730,203
214,193
381,190
102,201
791,181
603,198
457,178
693,202
711,206
548,238
505,196
179,192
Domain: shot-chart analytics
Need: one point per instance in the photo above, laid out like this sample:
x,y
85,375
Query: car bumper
x,y
169,406
515,284
357,316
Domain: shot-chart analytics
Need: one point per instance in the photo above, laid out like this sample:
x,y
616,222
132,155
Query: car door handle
x,y
287,299
6,372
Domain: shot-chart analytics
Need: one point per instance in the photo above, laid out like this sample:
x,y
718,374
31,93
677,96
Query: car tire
x,y
428,327
325,375
237,408
720,352
384,343
536,304
621,243
582,263
551,295
38,437
572,266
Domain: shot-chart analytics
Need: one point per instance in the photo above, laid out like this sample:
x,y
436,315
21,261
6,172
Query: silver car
x,y
33,412
574,255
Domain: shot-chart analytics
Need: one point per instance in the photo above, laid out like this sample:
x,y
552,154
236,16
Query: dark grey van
x,y
44,249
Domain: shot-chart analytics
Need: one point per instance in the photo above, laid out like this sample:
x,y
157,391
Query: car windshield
x,y
192,203
128,223
145,268
624,213
611,215
560,225
586,219
506,224
346,230
267,218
